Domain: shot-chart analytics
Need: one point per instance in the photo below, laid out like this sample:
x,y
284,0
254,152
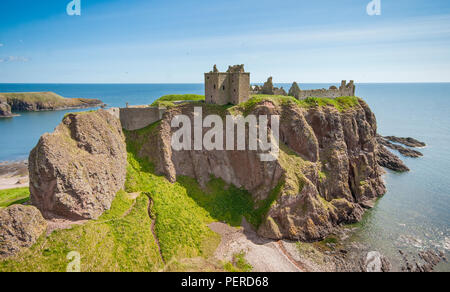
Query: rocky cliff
x,y
326,174
76,171
40,101
5,110
328,171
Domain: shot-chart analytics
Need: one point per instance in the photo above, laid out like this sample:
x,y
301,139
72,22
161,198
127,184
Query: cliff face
x,y
76,171
326,172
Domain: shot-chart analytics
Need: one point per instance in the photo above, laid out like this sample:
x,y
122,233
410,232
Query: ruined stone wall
x,y
328,93
333,92
138,118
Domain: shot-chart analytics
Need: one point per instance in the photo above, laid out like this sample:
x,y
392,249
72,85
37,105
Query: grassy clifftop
x,y
168,100
35,101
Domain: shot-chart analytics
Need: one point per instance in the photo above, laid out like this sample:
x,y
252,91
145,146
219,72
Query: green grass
x,y
340,103
322,176
120,240
167,100
14,196
181,225
222,202
238,264
183,210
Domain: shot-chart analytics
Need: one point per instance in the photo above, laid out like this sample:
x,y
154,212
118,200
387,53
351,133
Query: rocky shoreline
x,y
13,174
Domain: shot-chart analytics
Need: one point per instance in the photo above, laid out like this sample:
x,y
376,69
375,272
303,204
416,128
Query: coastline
x,y
13,174
55,109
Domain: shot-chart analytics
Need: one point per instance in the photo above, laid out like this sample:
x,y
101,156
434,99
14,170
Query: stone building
x,y
231,87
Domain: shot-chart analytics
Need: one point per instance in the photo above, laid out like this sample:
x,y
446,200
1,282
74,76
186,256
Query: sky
x,y
176,41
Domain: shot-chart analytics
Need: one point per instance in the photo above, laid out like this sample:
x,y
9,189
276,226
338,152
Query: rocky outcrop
x,y
424,262
20,227
326,172
76,171
403,150
5,110
410,142
386,159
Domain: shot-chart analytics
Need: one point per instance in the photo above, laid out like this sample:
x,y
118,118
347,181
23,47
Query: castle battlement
x,y
231,87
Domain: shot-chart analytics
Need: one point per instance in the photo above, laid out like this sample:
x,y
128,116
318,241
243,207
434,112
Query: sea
x,y
413,216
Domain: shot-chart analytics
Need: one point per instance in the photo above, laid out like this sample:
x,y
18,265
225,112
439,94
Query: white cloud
x,y
14,59
1,45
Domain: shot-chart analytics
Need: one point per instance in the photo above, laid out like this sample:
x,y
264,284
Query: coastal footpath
x,y
41,101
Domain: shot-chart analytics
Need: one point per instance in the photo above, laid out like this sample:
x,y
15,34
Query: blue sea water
x,y
414,214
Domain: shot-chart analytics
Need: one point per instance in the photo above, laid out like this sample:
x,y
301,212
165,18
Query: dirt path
x,y
150,204
264,255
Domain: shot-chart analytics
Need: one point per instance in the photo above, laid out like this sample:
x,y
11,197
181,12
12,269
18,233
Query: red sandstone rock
x,y
76,171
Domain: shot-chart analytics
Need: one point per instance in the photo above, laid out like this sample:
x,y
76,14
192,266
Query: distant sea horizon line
x,y
169,83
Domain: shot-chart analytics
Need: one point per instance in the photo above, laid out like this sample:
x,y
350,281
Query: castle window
x,y
215,86
223,87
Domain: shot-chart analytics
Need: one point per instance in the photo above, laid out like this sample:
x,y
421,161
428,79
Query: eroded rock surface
x,y
5,110
76,171
390,161
403,150
20,227
410,142
327,169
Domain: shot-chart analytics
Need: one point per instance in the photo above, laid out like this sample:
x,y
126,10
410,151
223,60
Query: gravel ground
x,y
264,255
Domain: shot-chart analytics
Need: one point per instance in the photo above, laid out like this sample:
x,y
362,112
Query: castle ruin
x,y
346,89
231,87
222,88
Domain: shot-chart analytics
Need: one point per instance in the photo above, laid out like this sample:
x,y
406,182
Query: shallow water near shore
x,y
413,215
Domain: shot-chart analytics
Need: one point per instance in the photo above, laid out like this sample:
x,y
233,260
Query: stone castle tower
x,y
231,87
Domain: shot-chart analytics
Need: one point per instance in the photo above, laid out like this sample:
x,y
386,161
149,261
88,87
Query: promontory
x,y
41,101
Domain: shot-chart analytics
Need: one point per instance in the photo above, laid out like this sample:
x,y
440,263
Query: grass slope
x,y
14,196
340,103
167,100
120,240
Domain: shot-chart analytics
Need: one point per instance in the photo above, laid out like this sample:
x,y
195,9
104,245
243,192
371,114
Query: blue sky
x,y
175,41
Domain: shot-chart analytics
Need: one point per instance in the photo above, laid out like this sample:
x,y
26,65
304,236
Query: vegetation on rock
x,y
168,100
